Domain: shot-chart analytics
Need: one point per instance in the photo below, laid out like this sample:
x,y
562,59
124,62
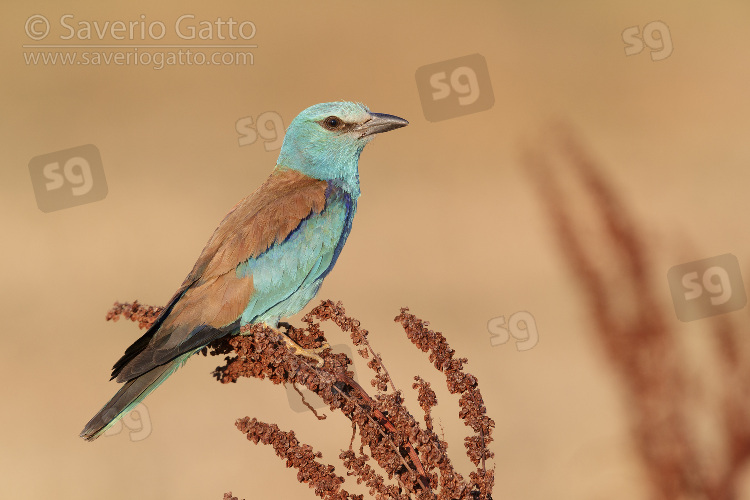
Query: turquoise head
x,y
325,141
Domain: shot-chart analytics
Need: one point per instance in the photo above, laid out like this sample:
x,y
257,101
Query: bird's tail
x,y
128,397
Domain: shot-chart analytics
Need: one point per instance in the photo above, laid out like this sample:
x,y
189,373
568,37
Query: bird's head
x,y
325,141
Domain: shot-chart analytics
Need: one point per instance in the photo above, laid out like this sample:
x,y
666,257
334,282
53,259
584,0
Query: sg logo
x,y
455,87
137,421
272,136
707,287
517,323
68,178
661,46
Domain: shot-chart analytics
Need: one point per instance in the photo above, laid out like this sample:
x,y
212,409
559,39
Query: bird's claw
x,y
322,348
307,353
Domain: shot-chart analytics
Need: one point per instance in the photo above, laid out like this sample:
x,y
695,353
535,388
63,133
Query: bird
x,y
267,258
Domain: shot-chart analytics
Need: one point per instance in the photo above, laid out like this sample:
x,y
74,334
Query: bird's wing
x,y
212,298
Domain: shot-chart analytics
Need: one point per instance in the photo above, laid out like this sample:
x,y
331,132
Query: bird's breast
x,y
287,276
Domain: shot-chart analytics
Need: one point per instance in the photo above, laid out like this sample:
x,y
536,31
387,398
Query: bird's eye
x,y
333,123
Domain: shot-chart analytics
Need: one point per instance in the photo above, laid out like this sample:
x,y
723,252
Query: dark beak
x,y
380,122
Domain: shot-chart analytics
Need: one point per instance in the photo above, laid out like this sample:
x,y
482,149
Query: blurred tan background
x,y
448,225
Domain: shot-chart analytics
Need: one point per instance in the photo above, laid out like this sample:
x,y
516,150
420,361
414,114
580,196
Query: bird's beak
x,y
380,122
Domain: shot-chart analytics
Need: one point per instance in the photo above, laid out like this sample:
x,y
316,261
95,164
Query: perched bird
x,y
268,257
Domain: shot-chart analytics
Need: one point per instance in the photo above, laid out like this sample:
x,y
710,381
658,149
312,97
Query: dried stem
x,y
609,257
412,455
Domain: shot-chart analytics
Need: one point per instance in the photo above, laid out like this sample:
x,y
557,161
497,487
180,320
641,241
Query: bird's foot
x,y
299,350
308,353
322,348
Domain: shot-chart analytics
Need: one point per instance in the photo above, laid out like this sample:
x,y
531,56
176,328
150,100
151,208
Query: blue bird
x,y
268,257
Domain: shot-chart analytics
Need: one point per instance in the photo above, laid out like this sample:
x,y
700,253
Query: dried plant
x,y
413,456
608,254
